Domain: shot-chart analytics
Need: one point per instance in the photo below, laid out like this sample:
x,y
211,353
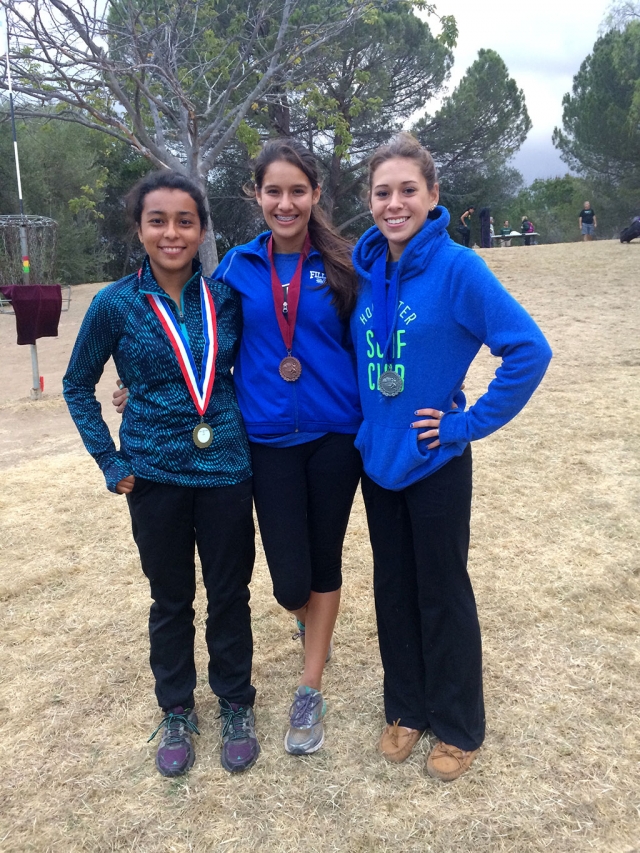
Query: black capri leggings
x,y
303,497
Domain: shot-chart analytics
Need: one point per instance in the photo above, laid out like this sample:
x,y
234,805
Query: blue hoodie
x,y
449,305
325,397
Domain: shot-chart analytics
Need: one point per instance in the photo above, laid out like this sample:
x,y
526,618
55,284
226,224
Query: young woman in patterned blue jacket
x,y
296,384
183,462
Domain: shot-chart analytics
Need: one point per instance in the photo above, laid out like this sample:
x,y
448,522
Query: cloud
x,y
543,44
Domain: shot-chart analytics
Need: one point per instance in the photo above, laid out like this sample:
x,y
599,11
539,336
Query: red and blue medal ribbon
x,y
200,385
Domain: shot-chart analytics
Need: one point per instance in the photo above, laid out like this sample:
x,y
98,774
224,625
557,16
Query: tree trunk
x,y
209,251
331,188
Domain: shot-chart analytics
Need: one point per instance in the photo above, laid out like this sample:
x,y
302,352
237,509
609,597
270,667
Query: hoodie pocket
x,y
390,456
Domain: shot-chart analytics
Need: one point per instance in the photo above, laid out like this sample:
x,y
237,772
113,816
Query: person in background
x,y
526,227
464,228
587,222
183,461
485,227
505,231
425,308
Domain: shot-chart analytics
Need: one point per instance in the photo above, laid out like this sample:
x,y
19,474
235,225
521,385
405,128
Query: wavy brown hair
x,y
335,250
405,145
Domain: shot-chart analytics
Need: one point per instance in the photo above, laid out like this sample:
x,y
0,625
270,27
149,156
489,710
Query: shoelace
x,y
395,734
235,723
175,724
451,751
302,708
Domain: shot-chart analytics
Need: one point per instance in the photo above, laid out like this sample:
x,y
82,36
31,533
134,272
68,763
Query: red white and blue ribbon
x,y
200,385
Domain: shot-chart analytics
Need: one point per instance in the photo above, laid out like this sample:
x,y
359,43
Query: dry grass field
x,y
556,567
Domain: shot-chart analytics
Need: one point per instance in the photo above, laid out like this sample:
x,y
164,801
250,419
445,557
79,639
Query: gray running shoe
x,y
299,635
176,754
240,747
306,732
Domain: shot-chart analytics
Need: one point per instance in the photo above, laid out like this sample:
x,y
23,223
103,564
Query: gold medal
x,y
202,435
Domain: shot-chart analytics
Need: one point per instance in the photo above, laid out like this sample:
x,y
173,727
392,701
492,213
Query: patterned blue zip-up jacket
x,y
156,433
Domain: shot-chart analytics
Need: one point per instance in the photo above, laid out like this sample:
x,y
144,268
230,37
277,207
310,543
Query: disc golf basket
x,y
28,257
38,236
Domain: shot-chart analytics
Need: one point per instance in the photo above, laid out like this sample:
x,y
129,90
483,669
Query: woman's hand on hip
x,y
120,397
125,486
431,424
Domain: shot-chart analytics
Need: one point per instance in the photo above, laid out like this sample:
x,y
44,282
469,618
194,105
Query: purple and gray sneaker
x,y
306,731
240,747
176,754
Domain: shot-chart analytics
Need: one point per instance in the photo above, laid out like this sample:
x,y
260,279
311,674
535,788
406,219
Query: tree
x,y
373,78
621,13
601,116
477,129
62,178
361,87
174,79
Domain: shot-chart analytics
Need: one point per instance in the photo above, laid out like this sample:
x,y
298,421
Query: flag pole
x,y
36,392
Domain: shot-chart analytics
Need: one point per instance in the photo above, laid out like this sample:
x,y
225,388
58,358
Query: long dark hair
x,y
166,179
335,250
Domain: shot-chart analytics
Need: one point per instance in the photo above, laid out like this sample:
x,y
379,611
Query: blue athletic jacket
x,y
449,304
156,433
325,397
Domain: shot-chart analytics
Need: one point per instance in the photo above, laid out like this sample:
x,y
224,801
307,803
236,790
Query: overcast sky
x,y
543,43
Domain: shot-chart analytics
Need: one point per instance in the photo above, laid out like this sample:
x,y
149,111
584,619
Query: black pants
x,y
427,620
168,523
303,496
466,236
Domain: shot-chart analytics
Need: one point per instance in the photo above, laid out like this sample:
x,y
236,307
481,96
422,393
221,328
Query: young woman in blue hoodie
x,y
425,307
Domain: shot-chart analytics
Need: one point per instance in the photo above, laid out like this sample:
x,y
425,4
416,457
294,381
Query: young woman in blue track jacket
x,y
183,461
297,390
425,307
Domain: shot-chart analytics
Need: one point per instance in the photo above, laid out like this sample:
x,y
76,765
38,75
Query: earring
x,y
433,207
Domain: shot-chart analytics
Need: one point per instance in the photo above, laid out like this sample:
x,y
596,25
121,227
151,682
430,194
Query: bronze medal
x,y
290,368
390,383
202,435
287,310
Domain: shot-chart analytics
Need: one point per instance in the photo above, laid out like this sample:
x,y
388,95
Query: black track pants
x,y
169,522
427,620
